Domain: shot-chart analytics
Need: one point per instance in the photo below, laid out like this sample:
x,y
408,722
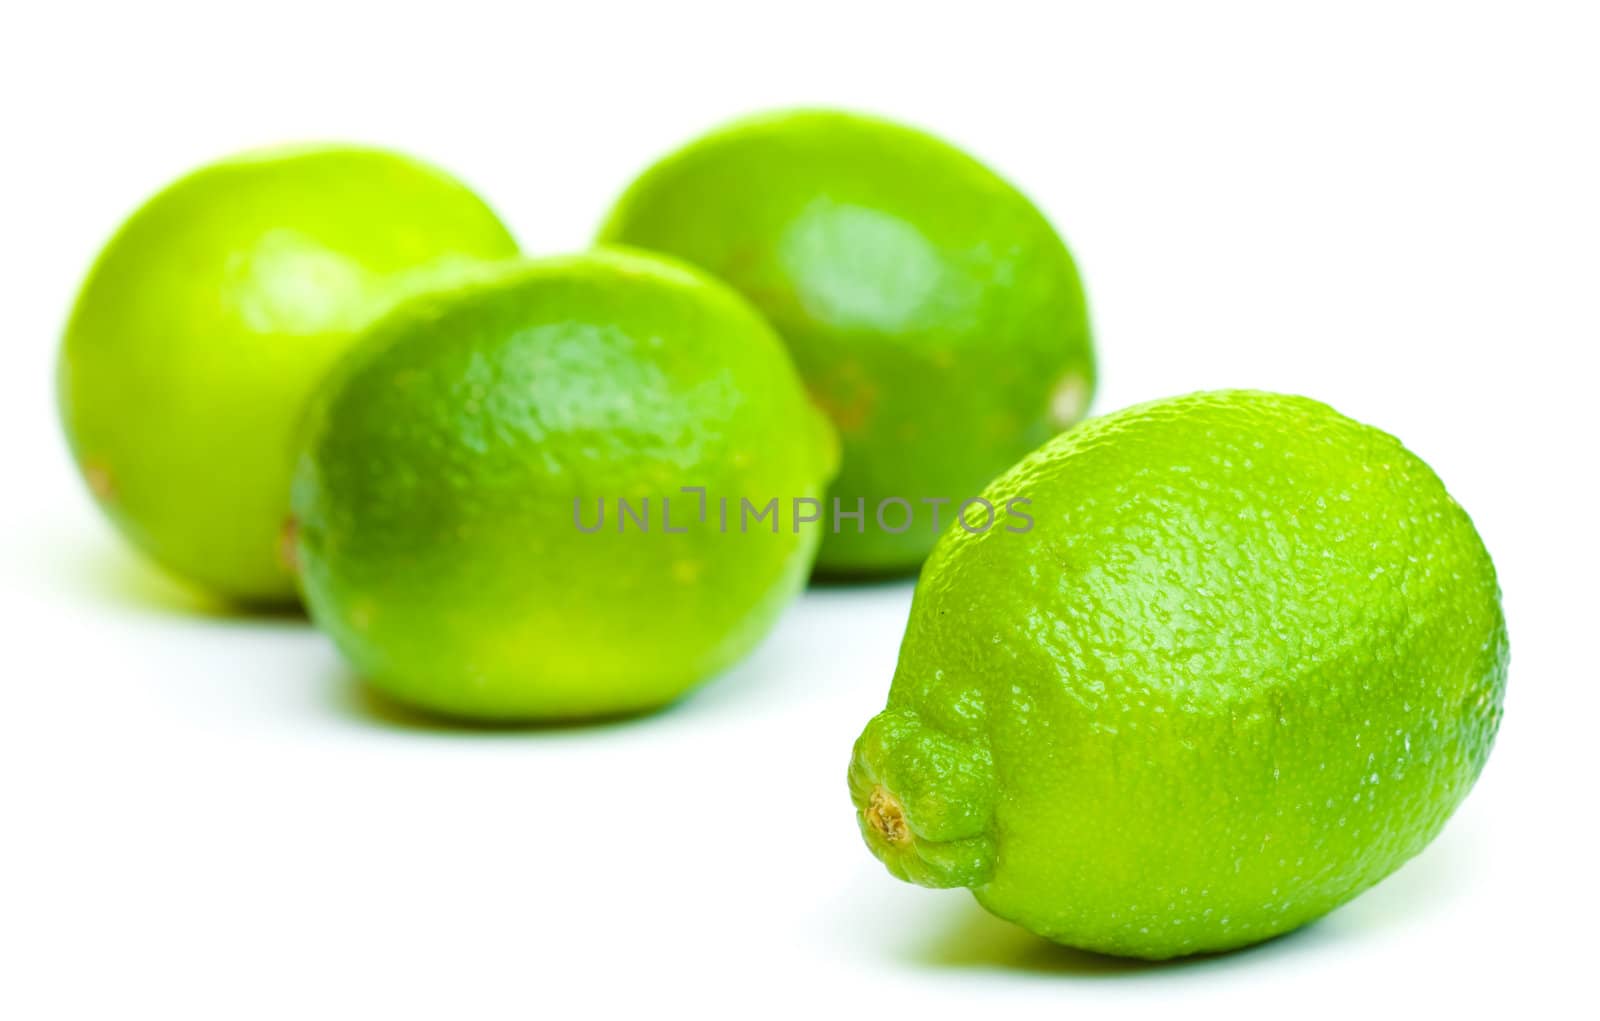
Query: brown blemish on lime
x,y
885,815
849,414
289,545
98,476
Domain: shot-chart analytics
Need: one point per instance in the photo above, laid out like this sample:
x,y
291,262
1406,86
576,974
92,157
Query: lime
x,y
1247,661
933,311
207,321
563,492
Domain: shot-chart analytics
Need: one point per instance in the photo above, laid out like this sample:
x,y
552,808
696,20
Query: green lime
x,y
210,317
1247,661
933,311
531,498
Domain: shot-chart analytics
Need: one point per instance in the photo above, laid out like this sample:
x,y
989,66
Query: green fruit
x,y
455,471
210,317
1247,662
935,314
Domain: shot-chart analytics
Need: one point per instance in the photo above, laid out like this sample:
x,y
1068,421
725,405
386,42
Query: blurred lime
x,y
459,502
209,318
935,314
1248,661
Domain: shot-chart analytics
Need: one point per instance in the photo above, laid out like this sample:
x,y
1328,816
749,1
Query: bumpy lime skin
x,y
435,497
1247,663
207,321
934,312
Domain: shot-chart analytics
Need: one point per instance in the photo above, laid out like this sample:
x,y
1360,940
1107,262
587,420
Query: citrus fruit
x,y
935,314
531,499
207,321
1247,661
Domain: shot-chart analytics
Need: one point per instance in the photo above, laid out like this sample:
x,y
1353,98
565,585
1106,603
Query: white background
x,y
1391,207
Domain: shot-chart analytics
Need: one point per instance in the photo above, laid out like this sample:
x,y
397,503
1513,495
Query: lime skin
x,y
935,313
1246,664
457,501
207,321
